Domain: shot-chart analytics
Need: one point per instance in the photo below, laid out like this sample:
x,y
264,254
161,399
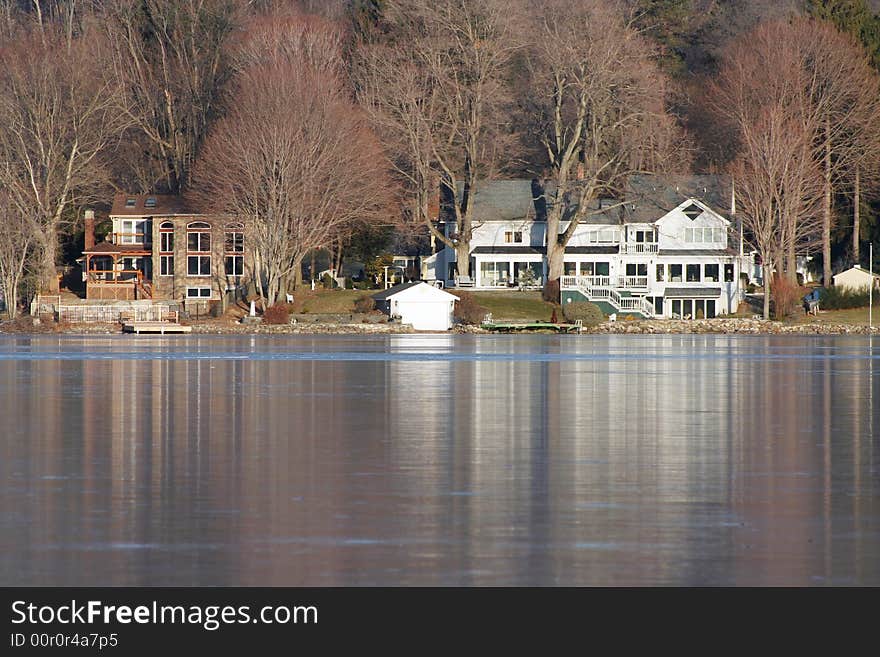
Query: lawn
x,y
511,304
504,304
853,316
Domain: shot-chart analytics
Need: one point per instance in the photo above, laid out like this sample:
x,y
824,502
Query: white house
x,y
856,279
669,248
423,306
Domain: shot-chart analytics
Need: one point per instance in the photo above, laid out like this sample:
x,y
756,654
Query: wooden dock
x,y
154,327
510,327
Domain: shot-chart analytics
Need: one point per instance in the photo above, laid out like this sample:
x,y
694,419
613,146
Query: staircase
x,y
599,289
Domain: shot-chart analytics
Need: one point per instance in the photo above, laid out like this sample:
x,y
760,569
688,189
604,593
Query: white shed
x,y
423,306
856,279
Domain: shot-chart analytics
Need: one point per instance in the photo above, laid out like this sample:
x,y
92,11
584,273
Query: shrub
x,y
589,313
277,314
835,298
785,297
550,293
467,310
349,284
364,304
328,282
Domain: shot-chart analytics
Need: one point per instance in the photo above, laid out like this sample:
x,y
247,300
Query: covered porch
x,y
118,272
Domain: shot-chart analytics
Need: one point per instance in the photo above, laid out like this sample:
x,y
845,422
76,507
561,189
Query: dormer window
x,y
150,202
130,202
693,211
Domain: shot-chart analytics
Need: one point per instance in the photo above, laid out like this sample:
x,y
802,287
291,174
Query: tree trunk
x,y
857,201
298,272
767,273
826,211
791,263
463,258
555,260
48,272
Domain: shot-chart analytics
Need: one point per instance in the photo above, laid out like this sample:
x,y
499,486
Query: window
x,y
569,268
166,265
604,236
234,265
513,237
234,243
166,237
130,202
728,273
710,273
150,202
132,231
719,235
693,273
658,306
636,269
603,269
198,265
660,272
198,242
675,273
693,211
198,293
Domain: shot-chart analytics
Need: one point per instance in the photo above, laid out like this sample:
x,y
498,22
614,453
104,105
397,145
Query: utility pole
x,y
871,289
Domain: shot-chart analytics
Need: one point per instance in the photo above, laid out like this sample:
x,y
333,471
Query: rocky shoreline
x,y
736,326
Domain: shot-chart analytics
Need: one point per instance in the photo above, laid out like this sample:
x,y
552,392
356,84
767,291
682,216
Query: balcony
x,y
639,248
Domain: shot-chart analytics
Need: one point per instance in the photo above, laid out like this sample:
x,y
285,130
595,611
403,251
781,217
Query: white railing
x,y
585,285
627,282
639,247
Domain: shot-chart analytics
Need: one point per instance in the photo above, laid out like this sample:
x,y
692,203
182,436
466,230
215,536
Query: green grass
x,y
517,305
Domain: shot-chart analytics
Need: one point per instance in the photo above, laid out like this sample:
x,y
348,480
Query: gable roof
x,y
499,200
650,197
407,289
138,205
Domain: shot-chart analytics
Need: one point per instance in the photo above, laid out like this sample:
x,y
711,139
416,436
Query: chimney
x,y
90,229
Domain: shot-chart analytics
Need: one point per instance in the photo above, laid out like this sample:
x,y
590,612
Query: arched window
x,y
166,249
198,249
233,247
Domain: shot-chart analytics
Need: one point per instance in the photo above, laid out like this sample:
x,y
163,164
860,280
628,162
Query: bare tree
x,y
771,114
59,116
16,242
435,89
296,160
598,108
170,60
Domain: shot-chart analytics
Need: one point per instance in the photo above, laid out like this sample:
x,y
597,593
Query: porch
x,y
117,272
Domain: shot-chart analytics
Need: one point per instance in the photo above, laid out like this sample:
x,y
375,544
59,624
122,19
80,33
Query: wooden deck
x,y
154,327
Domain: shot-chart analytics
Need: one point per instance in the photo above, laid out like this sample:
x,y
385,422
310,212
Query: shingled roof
x,y
148,205
650,197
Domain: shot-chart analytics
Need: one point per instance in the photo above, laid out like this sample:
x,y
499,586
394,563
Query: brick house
x,y
159,248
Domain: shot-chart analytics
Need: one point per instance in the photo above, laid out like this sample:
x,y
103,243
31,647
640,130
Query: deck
x,y
154,327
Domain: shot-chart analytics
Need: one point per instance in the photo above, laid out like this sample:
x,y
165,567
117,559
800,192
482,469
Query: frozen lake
x,y
439,460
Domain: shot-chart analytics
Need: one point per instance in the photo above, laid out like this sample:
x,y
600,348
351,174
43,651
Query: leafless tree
x,y
435,89
16,242
771,114
58,118
598,109
170,61
295,159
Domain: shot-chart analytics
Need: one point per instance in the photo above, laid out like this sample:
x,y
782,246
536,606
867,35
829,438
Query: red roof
x,y
148,205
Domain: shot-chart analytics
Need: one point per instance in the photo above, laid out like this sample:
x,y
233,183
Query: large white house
x,y
669,248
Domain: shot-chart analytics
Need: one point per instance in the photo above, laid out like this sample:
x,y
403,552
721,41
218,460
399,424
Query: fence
x,y
109,314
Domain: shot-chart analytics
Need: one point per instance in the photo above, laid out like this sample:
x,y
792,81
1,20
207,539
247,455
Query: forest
x,y
330,125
